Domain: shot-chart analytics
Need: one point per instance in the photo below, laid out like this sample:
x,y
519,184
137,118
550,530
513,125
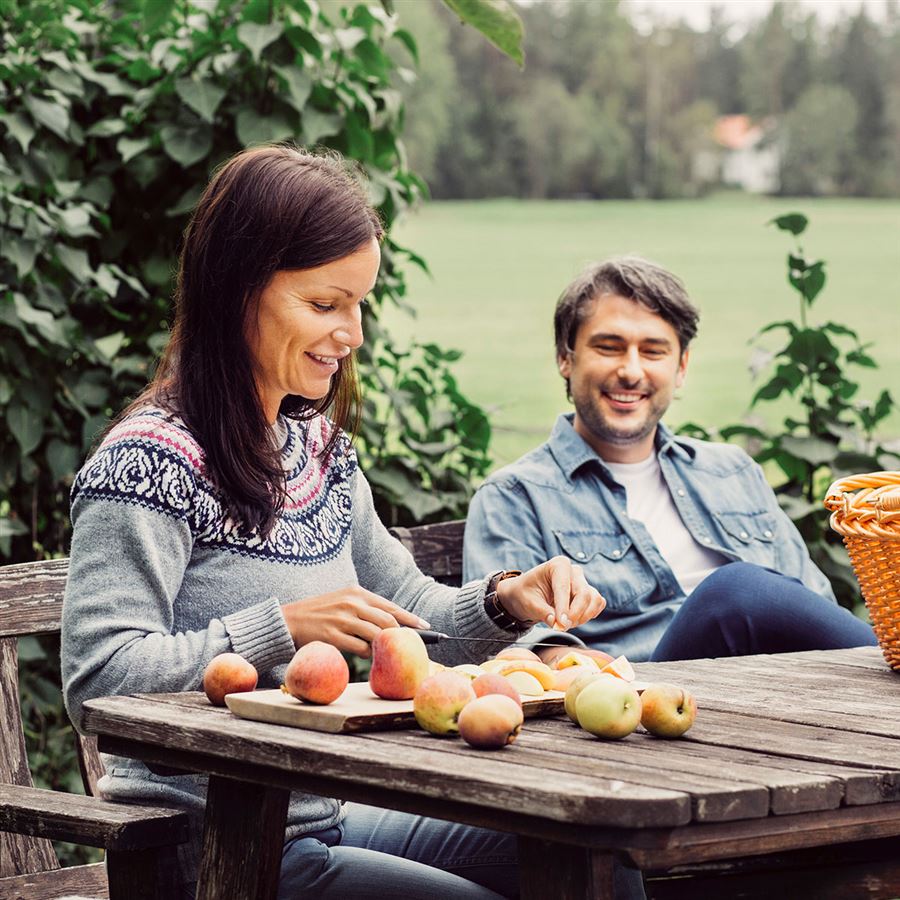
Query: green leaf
x,y
257,37
795,223
49,114
63,459
20,128
75,222
75,261
106,128
130,147
317,125
253,128
157,13
20,253
25,426
348,38
408,41
202,96
110,345
299,85
496,20
186,145
812,450
42,320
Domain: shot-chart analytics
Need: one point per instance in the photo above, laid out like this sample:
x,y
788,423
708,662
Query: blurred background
x,y
675,129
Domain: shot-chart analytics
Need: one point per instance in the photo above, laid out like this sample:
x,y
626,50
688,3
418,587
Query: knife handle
x,y
432,637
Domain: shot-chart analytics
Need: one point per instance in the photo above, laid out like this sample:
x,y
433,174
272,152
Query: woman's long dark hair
x,y
265,210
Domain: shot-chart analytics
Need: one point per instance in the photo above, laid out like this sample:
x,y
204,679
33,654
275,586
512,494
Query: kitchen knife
x,y
437,637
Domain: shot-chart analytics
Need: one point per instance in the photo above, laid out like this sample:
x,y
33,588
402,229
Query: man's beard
x,y
604,428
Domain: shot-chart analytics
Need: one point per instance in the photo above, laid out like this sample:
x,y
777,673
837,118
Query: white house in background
x,y
748,155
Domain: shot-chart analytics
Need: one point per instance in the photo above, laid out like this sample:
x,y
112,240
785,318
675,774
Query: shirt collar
x,y
571,451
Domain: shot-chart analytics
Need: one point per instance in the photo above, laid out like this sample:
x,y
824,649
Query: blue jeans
x,y
378,853
742,609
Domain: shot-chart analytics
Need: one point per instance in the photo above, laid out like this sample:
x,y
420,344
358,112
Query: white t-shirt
x,y
649,501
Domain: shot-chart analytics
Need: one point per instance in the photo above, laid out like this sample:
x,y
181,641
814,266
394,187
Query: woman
x,y
224,512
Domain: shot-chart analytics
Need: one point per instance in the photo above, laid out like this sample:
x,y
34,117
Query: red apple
x,y
399,663
492,683
668,710
228,673
439,700
490,722
317,673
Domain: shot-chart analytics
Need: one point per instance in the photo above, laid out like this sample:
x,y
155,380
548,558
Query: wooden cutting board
x,y
357,709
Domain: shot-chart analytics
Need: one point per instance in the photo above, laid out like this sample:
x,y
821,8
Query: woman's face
x,y
306,321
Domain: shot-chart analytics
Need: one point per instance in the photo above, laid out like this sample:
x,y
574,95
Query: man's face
x,y
625,366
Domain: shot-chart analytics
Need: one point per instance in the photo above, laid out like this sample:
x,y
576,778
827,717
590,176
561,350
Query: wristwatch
x,y
494,608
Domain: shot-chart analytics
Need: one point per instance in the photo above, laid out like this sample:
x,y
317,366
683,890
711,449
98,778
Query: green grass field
x,y
498,267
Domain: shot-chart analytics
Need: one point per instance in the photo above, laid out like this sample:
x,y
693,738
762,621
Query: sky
x,y
696,12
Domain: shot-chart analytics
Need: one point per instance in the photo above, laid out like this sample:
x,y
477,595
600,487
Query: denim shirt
x,y
561,499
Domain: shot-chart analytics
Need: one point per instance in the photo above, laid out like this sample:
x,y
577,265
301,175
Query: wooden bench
x,y
140,841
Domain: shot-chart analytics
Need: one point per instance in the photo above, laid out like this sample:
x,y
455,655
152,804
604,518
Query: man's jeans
x,y
378,853
742,608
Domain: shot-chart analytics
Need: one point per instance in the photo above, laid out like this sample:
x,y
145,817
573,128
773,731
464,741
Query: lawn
x,y
498,267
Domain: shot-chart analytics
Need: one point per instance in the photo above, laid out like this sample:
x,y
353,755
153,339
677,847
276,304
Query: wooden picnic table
x,y
788,751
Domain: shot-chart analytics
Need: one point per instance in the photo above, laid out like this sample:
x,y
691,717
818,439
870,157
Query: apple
x,y
518,653
490,722
439,700
399,663
317,673
470,670
525,683
668,710
228,673
492,683
575,688
609,708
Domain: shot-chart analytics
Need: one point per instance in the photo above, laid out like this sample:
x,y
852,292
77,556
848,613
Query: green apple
x,y
576,687
668,710
608,707
439,699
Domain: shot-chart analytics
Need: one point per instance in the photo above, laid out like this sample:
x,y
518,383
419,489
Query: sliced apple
x,y
518,653
469,669
542,672
574,658
434,667
525,683
621,668
562,678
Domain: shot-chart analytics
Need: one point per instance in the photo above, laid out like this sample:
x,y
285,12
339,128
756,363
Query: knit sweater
x,y
161,579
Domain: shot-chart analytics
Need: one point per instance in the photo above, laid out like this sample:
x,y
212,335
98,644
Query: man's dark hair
x,y
266,210
635,279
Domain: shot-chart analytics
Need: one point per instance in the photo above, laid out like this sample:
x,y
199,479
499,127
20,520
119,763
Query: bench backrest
x,y
30,604
437,549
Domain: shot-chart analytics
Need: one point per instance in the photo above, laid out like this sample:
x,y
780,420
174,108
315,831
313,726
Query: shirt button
x,y
767,533
580,554
744,535
617,553
707,540
680,492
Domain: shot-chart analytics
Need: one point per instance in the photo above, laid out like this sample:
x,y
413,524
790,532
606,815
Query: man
x,y
684,538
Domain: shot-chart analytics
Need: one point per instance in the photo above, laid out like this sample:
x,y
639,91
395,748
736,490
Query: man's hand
x,y
555,592
350,619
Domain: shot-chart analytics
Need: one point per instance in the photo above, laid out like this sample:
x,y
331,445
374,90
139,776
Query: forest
x,y
609,106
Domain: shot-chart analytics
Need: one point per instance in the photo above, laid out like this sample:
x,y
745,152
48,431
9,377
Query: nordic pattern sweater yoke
x,y
161,580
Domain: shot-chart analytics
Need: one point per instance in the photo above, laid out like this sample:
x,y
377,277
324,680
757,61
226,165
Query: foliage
x,y
829,432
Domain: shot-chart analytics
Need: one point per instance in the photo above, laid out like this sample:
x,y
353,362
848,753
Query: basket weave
x,y
865,510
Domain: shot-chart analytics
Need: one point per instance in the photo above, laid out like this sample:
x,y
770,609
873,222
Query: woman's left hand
x,y
555,593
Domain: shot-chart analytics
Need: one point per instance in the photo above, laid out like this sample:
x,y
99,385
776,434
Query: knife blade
x,y
437,637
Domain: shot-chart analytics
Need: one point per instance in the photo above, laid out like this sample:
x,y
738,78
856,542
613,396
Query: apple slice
x,y
541,671
574,658
621,668
525,683
468,669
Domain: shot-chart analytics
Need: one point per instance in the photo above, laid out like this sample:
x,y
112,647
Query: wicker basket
x,y
865,510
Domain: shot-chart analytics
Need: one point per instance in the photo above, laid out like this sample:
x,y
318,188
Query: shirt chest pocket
x,y
610,563
751,537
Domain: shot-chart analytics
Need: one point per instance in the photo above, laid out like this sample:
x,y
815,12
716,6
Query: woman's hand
x,y
555,592
350,619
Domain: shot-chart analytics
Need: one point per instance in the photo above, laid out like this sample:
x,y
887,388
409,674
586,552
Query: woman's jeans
x,y
378,853
742,608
